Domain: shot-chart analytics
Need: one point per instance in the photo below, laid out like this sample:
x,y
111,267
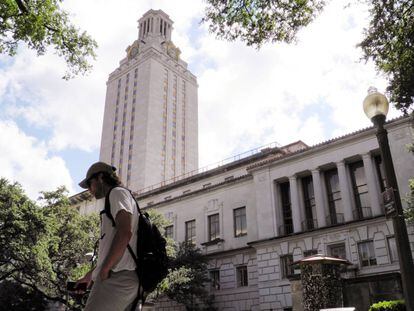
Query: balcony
x,y
285,229
309,224
334,219
362,213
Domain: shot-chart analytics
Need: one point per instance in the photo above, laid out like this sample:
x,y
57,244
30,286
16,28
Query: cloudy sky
x,y
50,128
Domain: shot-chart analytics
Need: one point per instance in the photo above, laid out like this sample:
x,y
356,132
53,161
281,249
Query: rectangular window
x,y
169,231
336,214
360,190
213,227
310,252
309,202
242,276
286,265
367,254
287,227
215,279
240,227
392,247
337,250
190,231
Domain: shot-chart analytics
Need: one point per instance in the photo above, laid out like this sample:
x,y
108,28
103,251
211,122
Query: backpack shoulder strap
x,y
107,208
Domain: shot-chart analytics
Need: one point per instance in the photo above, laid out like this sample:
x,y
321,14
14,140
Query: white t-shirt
x,y
120,199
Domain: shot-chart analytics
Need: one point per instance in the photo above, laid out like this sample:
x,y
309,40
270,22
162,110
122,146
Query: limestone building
x,y
150,127
255,215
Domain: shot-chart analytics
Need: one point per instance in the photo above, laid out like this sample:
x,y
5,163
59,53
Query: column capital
x,y
293,177
366,155
340,163
315,170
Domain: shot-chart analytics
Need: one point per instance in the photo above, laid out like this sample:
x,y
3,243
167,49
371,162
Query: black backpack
x,y
151,258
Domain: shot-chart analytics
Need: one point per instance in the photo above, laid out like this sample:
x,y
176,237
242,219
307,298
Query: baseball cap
x,y
98,167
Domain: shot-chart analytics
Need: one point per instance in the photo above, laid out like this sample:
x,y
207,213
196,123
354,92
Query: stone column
x,y
373,192
294,198
345,191
319,202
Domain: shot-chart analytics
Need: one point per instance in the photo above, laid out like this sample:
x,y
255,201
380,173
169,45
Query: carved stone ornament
x,y
133,50
173,51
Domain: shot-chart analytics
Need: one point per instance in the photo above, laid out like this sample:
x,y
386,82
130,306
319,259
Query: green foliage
x,y
389,42
187,279
17,297
393,305
161,222
40,24
44,244
258,21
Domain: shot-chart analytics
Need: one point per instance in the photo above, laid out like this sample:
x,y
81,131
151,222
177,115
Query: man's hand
x,y
86,279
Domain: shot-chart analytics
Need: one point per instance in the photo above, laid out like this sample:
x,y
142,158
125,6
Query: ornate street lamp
x,y
376,108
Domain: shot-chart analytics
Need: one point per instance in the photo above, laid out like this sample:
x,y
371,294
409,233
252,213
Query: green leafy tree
x,y
258,21
42,24
187,280
388,41
43,245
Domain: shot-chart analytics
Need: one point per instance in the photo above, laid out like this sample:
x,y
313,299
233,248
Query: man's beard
x,y
99,192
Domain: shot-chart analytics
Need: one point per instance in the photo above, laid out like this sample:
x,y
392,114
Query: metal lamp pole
x,y
376,108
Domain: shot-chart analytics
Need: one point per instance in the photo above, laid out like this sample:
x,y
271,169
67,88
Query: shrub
x,y
393,305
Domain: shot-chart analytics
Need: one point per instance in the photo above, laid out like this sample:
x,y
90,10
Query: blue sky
x,y
312,90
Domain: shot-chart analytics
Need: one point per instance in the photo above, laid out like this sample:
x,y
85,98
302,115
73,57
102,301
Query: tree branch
x,y
22,6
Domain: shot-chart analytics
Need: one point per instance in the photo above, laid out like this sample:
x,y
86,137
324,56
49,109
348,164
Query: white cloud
x,y
311,91
25,159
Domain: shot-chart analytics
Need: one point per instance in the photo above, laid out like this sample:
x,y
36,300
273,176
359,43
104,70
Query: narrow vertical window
x,y
169,232
242,276
287,227
367,254
286,265
190,231
215,279
360,190
213,227
336,214
309,202
240,227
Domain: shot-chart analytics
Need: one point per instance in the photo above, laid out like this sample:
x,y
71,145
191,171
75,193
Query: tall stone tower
x,y
150,127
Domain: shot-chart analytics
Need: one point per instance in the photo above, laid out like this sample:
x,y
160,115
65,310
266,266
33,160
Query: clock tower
x,y
150,127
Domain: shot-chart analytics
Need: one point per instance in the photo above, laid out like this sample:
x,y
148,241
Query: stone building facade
x,y
150,126
255,216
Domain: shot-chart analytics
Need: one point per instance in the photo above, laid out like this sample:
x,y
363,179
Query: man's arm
x,y
119,244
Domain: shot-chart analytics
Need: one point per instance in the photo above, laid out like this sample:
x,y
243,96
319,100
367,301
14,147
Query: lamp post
x,y
376,108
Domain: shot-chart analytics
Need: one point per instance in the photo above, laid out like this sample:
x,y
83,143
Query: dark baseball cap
x,y
98,167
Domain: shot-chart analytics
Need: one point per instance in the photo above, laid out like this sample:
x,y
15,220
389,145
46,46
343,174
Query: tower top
x,y
153,24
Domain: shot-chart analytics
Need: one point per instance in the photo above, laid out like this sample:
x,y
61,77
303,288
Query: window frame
x,y
286,268
192,238
243,230
213,234
372,260
393,258
167,230
337,246
286,205
242,276
214,275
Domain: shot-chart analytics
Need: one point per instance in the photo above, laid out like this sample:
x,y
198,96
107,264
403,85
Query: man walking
x,y
115,282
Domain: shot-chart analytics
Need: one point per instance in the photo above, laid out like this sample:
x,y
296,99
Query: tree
x,y
42,24
260,21
186,282
388,42
43,245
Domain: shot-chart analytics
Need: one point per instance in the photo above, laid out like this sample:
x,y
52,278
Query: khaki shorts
x,y
116,293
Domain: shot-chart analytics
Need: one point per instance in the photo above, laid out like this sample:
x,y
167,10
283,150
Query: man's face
x,y
95,187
